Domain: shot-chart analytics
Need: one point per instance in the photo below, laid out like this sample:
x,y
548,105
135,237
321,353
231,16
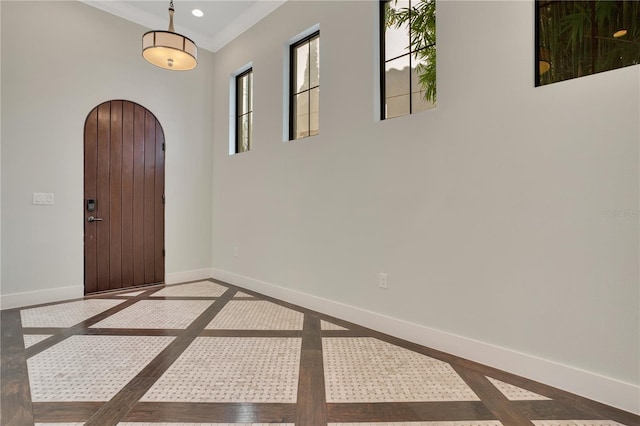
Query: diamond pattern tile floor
x,y
209,353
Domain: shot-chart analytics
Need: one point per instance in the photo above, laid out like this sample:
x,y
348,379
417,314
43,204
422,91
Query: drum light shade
x,y
168,49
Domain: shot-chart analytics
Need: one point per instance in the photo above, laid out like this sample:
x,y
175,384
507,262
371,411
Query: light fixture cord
x,y
171,16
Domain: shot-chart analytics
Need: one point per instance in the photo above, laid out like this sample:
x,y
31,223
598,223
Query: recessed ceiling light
x,y
197,12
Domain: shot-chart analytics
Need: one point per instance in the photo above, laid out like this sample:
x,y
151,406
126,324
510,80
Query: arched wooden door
x,y
123,197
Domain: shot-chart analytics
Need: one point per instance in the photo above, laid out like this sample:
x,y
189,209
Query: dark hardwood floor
x,y
208,352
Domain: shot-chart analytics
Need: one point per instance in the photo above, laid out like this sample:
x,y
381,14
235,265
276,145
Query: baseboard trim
x,y
36,297
185,276
18,300
606,390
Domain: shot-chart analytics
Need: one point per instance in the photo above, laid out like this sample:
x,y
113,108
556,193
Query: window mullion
x,y
292,96
309,91
250,110
410,61
238,102
383,59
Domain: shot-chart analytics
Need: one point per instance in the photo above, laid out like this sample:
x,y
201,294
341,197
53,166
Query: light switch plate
x,y
43,198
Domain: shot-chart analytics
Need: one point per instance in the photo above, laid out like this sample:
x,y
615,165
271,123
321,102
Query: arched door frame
x,y
124,161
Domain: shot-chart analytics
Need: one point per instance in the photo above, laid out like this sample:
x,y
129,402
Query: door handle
x,y
94,219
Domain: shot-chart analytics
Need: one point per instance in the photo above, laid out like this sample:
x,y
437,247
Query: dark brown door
x,y
123,197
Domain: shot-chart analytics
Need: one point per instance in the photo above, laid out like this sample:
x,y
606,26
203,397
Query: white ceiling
x,y
223,20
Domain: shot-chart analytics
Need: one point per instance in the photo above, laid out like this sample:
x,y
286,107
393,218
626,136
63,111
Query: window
x,y
244,111
304,102
578,38
408,56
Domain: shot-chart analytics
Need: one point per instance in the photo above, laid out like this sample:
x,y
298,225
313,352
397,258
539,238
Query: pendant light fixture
x,y
168,49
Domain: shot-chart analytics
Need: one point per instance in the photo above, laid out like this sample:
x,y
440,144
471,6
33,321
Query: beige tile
x,y
256,315
59,424
154,314
514,393
201,424
132,294
32,339
326,325
232,369
90,368
370,370
463,423
65,314
197,289
576,423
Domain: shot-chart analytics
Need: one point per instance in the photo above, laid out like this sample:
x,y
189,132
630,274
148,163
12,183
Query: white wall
x,y
496,216
507,217
59,61
0,152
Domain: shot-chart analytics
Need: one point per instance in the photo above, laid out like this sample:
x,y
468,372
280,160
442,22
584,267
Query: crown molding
x,y
242,23
253,15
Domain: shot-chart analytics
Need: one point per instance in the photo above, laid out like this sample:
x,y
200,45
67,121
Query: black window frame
x,y
598,49
238,113
292,78
383,60
382,24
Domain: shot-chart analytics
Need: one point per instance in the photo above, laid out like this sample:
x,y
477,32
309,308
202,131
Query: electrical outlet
x,y
382,282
